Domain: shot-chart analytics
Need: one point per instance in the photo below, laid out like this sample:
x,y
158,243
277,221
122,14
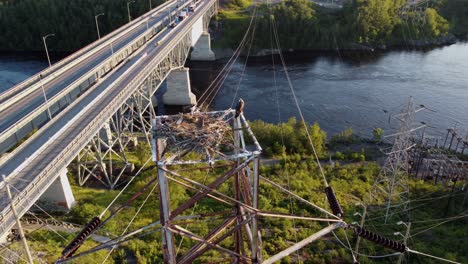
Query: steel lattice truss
x,y
239,219
131,121
392,182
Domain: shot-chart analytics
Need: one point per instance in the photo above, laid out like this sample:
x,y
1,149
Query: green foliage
x,y
435,24
303,25
456,12
24,22
142,152
289,138
344,137
238,4
53,243
84,212
233,23
378,134
376,19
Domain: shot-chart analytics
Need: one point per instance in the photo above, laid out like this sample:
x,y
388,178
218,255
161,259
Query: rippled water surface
x,y
359,91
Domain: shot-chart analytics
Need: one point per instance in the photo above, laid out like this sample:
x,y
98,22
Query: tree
x,y
455,11
378,134
376,19
435,25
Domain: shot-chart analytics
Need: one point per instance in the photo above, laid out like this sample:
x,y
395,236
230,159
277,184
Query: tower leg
x,y
167,236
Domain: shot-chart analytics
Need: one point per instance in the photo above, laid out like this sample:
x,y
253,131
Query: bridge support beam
x,y
59,196
178,88
202,49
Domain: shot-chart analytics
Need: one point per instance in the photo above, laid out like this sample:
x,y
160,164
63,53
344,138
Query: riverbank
x,y
303,26
352,50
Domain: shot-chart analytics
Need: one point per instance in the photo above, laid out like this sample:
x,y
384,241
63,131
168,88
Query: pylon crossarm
x,y
193,252
210,187
181,231
199,191
246,154
303,243
297,217
249,131
210,190
204,168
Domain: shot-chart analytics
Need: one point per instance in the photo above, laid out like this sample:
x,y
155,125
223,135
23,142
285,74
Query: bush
x,y
290,138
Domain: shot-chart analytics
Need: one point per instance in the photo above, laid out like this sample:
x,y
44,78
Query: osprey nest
x,y
200,132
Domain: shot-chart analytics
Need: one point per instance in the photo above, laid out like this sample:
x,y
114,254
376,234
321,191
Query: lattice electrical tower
x,y
232,226
392,182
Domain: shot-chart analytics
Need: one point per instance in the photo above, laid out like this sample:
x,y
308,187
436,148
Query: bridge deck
x,y
57,143
21,106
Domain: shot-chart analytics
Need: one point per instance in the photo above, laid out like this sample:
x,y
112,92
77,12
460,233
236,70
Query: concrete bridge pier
x,y
202,49
178,88
59,196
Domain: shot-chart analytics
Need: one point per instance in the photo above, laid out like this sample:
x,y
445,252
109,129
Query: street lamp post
x,y
45,46
128,9
150,5
97,25
45,96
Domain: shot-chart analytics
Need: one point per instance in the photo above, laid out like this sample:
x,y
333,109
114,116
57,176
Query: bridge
x,y
94,103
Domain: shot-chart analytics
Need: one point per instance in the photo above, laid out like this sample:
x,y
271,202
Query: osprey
x,y
239,108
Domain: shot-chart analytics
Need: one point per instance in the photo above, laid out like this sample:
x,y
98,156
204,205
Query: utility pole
x,y
18,222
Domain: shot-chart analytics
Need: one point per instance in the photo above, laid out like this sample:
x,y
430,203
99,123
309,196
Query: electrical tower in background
x,y
391,184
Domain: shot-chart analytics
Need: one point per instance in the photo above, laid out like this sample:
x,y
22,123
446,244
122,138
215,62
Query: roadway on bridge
x,y
28,104
51,140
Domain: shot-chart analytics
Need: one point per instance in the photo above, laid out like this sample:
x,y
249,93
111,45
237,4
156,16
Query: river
x,y
338,91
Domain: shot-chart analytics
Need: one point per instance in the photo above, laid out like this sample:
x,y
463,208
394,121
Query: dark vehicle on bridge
x,y
182,15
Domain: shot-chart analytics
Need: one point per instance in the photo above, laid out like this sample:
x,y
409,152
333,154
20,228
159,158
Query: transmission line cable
x,y
228,66
133,218
279,122
217,89
123,189
275,33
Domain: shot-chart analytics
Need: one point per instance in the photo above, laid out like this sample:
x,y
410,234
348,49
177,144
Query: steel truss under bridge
x,y
104,158
113,103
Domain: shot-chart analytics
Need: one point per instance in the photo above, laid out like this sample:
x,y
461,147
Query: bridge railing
x,y
24,200
88,79
61,66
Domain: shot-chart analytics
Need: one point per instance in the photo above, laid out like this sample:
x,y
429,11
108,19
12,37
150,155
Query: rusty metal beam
x,y
197,197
